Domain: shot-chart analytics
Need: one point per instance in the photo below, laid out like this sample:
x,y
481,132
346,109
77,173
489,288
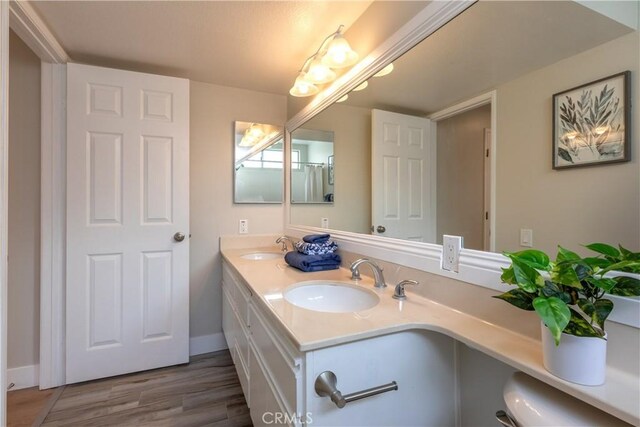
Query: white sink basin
x,y
259,256
331,297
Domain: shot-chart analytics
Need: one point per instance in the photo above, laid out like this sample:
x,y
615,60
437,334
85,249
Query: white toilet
x,y
533,403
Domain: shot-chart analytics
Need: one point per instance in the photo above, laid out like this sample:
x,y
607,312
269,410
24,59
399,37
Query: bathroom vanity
x,y
280,349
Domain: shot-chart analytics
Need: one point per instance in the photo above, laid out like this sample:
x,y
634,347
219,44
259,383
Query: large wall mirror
x,y
258,163
458,138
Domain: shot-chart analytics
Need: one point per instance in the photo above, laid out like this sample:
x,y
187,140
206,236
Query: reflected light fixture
x,y
361,86
386,70
252,135
344,98
334,52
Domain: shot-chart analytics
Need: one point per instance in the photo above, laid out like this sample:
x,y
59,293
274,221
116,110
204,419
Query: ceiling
x,y
491,43
257,45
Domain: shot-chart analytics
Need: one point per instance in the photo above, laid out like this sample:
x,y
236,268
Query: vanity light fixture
x,y
386,70
344,98
334,52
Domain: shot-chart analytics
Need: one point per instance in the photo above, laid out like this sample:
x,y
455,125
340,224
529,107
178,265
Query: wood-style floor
x,y
25,407
205,392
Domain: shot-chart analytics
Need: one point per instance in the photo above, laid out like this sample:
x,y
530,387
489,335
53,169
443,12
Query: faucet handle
x,y
398,293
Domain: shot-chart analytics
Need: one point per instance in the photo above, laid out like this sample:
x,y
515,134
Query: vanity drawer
x,y
242,367
239,293
281,361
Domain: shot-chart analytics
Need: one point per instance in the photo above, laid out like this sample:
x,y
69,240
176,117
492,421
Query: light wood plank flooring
x,y
205,392
25,406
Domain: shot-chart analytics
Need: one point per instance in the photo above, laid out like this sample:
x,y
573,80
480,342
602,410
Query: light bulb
x,y
339,53
386,70
362,86
255,131
319,73
302,87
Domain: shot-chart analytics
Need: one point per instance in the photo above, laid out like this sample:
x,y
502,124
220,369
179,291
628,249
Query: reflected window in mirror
x,y
258,163
490,165
312,167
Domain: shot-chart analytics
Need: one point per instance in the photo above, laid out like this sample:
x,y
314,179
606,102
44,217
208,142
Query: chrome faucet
x,y
398,293
377,272
283,241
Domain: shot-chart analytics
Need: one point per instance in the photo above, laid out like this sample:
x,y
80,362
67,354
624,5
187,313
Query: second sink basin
x,y
330,296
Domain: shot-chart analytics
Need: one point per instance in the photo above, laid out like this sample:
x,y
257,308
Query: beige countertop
x,y
310,330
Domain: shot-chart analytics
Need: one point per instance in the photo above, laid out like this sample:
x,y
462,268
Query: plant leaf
x,y
598,310
518,298
604,249
580,327
604,283
621,266
527,277
564,274
596,262
566,255
533,258
508,276
564,155
626,287
554,313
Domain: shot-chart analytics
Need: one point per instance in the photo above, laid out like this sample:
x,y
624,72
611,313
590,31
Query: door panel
x,y
127,293
403,177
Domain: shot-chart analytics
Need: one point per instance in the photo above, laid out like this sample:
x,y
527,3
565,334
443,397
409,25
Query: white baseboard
x,y
207,344
23,377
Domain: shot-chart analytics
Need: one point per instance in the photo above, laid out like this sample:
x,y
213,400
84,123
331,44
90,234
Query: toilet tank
x,y
533,403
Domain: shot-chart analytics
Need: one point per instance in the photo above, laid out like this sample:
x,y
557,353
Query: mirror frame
x,y
476,267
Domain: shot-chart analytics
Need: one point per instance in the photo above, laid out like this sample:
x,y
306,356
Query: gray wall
x,y
460,147
213,110
23,340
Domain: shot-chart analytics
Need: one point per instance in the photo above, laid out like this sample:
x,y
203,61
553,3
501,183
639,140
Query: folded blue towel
x,y
327,247
316,238
312,262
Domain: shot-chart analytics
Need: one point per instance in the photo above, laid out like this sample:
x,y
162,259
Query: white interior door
x,y
127,294
403,177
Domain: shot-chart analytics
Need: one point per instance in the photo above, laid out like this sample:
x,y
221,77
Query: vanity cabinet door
x,y
266,408
420,362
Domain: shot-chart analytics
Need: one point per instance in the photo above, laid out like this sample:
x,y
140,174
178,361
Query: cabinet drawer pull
x,y
327,385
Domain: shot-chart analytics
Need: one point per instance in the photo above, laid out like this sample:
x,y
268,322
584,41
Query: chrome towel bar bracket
x,y
327,385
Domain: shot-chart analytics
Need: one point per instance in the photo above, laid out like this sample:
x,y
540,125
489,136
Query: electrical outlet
x,y
451,246
526,237
324,222
243,226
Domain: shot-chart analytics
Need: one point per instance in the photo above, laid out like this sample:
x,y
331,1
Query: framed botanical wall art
x,y
591,123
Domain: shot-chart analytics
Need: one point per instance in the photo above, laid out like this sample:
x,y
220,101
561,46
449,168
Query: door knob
x,y
178,237
381,229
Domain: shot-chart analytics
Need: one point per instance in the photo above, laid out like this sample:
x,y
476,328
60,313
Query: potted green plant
x,y
569,296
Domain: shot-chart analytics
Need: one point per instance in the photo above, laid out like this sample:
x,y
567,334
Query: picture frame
x,y
592,123
330,177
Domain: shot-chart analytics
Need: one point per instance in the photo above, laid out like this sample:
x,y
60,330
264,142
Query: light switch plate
x,y
451,247
526,237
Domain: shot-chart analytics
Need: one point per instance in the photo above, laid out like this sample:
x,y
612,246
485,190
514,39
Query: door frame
x,y
489,98
32,30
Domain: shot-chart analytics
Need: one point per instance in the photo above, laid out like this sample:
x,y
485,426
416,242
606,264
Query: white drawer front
x,y
282,366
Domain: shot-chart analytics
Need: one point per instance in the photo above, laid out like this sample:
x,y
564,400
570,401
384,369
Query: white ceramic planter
x,y
580,360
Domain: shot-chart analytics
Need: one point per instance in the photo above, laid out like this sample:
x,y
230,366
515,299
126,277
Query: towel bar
x,y
327,385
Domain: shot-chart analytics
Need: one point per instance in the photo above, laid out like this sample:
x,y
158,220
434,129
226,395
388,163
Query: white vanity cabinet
x,y
278,380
